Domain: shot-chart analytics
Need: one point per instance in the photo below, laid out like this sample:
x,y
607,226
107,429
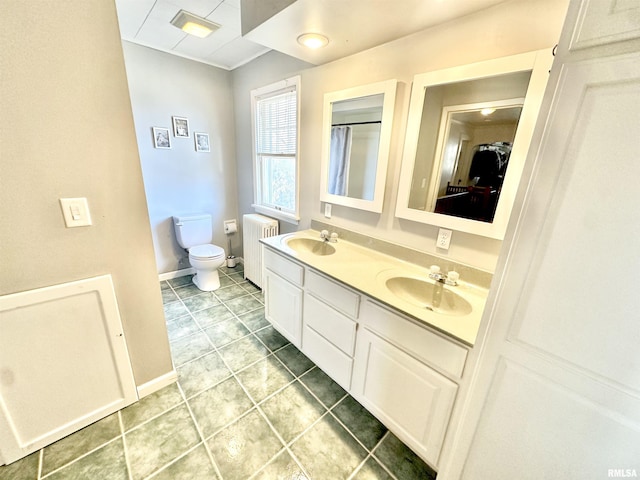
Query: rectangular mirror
x,y
468,134
356,136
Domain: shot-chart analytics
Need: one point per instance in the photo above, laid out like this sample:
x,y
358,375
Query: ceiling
x,y
351,26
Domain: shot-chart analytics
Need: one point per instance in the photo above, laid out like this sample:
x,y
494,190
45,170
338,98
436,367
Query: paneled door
x,y
63,363
557,391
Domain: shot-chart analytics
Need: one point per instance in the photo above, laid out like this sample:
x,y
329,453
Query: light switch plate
x,y
76,212
327,210
444,238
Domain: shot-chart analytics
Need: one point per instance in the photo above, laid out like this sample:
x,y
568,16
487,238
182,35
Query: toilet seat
x,y
206,252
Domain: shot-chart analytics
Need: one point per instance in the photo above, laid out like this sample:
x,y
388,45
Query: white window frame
x,y
257,94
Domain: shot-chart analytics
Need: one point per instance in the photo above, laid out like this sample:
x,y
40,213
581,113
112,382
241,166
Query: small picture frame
x,y
202,142
180,127
161,137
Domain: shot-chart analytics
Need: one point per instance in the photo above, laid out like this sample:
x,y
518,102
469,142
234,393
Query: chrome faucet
x,y
333,237
450,278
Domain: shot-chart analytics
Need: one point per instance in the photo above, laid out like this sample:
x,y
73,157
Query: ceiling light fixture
x,y
487,111
194,25
313,40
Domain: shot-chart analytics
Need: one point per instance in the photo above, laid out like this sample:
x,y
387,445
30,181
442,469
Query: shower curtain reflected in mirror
x,y
339,158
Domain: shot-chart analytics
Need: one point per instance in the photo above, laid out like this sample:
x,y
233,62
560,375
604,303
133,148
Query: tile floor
x,y
247,405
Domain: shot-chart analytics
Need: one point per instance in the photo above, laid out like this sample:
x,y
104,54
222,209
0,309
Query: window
x,y
275,134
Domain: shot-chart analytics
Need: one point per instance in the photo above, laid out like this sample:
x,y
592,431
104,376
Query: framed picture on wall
x,y
202,142
180,127
161,137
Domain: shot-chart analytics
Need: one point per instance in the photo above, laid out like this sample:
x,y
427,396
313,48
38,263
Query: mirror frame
x,y
539,63
388,89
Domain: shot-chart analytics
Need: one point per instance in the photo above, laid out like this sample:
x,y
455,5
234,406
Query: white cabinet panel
x,y
283,267
536,426
413,400
283,306
332,325
437,351
606,21
63,363
331,360
339,297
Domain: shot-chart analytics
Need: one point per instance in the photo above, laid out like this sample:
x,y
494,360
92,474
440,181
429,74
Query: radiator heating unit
x,y
255,227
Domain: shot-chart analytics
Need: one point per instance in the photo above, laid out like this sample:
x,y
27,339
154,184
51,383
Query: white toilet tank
x,y
192,230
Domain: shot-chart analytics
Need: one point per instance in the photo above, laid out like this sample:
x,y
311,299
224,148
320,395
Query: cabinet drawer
x,y
335,363
283,267
332,325
339,297
437,351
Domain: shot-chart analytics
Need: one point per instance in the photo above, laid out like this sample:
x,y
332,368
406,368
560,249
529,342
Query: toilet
x,y
194,232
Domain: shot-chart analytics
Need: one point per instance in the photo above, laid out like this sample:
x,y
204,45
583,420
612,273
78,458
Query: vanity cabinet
x,y
401,371
395,377
283,295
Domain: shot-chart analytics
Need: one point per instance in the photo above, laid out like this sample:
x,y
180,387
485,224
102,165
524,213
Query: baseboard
x,y
186,271
156,384
177,273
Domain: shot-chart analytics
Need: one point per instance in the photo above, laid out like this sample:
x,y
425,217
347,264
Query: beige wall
x,y
67,131
510,28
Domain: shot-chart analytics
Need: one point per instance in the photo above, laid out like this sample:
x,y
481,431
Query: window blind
x,y
276,123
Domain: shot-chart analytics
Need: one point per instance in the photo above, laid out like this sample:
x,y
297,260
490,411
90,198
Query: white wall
x,y
181,180
507,29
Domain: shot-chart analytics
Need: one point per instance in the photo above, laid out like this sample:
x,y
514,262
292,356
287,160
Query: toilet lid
x,y
206,251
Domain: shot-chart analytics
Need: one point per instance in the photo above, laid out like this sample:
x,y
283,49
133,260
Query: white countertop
x,y
366,270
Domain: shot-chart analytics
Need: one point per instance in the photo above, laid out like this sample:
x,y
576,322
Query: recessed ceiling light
x,y
312,40
487,111
194,25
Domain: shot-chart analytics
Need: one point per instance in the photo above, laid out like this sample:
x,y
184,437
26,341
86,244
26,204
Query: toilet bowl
x,y
193,232
206,259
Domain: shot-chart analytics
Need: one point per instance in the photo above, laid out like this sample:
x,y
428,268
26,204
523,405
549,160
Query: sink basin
x,y
428,294
310,245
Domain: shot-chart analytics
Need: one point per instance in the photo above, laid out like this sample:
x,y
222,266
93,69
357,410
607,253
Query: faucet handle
x,y
453,277
324,234
435,269
334,237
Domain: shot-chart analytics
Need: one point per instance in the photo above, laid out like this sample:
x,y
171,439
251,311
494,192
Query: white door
x,y
557,391
63,363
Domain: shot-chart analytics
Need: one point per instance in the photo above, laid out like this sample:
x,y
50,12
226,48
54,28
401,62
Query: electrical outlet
x,y
444,238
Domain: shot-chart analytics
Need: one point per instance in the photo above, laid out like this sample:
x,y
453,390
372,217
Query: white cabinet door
x,y
283,307
63,363
413,400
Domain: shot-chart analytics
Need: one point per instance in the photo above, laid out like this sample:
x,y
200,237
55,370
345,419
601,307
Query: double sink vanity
x,y
393,332
394,338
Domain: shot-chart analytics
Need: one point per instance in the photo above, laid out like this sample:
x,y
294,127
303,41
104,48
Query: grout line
x,y
257,405
200,433
124,446
375,459
380,462
77,459
40,463
175,460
